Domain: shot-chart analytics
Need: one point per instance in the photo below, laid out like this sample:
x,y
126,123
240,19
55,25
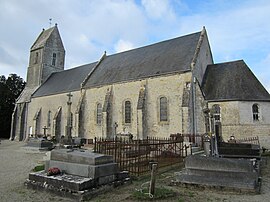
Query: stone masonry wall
x,y
169,86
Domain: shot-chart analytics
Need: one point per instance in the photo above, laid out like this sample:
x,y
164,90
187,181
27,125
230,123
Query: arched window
x,y
99,113
49,119
216,112
127,112
36,58
54,59
163,109
255,112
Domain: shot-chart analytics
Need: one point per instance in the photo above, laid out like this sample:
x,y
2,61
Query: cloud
x,y
238,30
158,9
123,45
262,70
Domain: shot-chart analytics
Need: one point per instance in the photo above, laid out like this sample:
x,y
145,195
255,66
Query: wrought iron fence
x,y
135,156
194,139
251,140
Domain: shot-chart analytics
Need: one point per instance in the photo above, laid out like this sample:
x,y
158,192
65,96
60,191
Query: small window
x,y
255,112
49,119
216,113
163,109
127,112
54,59
36,58
99,113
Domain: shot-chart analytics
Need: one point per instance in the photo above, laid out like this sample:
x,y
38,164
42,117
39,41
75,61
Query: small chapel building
x,y
154,91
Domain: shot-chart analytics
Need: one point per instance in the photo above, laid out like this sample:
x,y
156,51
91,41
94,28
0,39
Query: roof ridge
x,y
153,44
49,31
198,47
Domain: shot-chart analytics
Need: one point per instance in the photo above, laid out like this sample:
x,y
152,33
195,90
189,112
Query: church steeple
x,y
47,55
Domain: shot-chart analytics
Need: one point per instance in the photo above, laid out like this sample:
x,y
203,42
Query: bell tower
x,y
47,55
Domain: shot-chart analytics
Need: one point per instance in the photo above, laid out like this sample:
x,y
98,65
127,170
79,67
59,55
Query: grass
x,y
160,193
39,168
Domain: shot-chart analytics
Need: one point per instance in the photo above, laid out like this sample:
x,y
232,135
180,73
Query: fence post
x,y
95,145
153,178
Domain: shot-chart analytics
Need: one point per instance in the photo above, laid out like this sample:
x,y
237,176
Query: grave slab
x,y
84,170
80,157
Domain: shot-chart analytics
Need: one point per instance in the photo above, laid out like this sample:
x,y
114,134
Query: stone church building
x,y
156,90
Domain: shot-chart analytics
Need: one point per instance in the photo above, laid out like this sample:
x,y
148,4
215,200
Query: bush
x,y
39,168
160,193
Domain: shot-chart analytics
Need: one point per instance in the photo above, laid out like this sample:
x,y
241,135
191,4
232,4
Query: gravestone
x,y
236,174
82,173
39,143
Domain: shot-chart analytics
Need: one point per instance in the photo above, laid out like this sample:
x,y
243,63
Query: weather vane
x,y
50,22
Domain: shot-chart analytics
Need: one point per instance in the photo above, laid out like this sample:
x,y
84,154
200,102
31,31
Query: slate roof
x,y
42,38
232,81
64,81
26,94
166,57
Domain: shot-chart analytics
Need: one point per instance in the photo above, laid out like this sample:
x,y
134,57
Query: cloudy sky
x,y
237,29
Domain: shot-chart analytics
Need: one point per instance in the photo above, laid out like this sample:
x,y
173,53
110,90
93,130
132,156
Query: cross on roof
x,y
69,97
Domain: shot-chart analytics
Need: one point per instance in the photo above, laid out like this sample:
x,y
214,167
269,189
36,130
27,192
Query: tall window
x,y
36,58
49,119
127,112
255,112
163,109
99,113
54,59
216,112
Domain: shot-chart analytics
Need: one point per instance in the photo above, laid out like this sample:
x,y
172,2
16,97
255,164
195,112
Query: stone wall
x,y
52,103
170,86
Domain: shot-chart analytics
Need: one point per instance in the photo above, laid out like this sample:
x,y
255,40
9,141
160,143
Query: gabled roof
x,y
64,81
42,38
232,81
166,57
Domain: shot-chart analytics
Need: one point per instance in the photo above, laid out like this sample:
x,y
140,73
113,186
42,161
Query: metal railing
x,y
135,156
251,140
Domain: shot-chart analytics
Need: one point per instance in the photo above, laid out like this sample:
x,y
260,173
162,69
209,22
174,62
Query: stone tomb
x,y
39,143
234,174
81,172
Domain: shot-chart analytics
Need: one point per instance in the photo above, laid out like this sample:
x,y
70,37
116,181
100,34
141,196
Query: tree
x,y
10,89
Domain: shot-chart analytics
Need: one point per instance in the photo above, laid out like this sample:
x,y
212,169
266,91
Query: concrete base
x,y
71,182
238,174
75,187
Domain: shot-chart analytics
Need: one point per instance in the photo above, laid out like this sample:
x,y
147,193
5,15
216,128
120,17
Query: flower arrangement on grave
x,y
53,171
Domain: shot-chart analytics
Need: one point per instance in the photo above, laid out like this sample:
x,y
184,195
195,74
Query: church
x,y
152,91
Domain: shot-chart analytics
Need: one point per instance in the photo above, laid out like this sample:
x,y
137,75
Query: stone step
x,y
65,181
217,181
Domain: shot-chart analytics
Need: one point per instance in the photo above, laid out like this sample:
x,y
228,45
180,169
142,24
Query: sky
x,y
237,29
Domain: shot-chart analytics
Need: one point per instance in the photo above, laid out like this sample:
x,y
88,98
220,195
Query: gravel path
x,y
16,162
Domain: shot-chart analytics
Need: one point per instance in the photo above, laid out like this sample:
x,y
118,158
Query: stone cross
x,y
45,129
69,98
68,130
